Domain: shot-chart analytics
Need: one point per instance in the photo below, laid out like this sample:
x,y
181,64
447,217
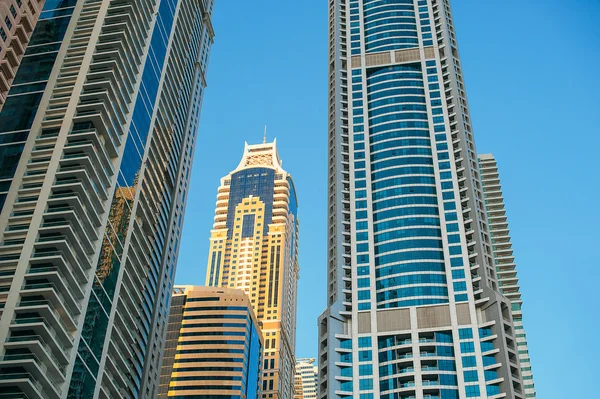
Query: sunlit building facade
x,y
306,379
213,347
254,247
504,260
414,304
97,137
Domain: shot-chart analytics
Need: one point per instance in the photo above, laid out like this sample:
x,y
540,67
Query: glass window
x,y
472,391
465,333
467,347
19,111
469,361
365,369
448,379
364,356
470,376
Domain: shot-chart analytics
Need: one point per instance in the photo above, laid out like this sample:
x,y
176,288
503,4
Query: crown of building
x,y
261,155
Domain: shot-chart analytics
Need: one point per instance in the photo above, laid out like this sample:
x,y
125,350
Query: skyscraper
x,y
504,260
306,379
213,347
414,307
98,133
254,247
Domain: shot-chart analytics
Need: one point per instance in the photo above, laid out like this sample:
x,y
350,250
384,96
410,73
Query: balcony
x,y
60,321
92,154
37,346
85,190
73,216
50,234
37,377
61,247
65,279
27,384
48,260
52,293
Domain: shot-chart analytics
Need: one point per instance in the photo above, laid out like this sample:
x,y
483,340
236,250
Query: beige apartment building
x,y
213,346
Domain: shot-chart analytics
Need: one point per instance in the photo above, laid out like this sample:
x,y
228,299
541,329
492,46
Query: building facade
x,y
504,260
306,379
97,139
414,306
17,21
254,247
213,347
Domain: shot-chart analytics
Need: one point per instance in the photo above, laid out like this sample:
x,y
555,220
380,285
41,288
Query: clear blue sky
x,y
533,80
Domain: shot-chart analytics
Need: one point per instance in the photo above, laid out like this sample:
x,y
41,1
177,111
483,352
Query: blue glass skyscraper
x,y
414,309
97,138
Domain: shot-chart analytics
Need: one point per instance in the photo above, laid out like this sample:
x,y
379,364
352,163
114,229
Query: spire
x,y
265,136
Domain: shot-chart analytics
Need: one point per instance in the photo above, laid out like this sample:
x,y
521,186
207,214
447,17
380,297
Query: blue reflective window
x,y
446,365
449,394
456,262
472,391
469,361
366,383
364,356
461,298
248,225
452,227
448,379
364,295
446,351
460,286
362,247
346,344
465,333
458,274
470,376
365,369
487,346
467,347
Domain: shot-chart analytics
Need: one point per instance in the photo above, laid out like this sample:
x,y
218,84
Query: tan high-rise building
x,y
213,346
306,379
254,247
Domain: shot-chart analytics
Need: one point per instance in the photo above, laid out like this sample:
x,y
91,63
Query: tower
x,y
504,260
98,133
254,247
414,307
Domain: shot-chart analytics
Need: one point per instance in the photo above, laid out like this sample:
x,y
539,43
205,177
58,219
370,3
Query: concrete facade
x,y
98,135
504,260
